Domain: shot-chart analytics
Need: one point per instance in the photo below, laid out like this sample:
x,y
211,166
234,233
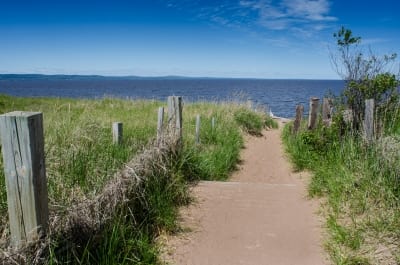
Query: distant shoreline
x,y
133,77
279,96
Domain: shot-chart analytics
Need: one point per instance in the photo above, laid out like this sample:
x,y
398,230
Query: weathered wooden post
x,y
299,117
327,111
160,122
25,173
175,117
117,132
197,129
213,123
369,119
312,118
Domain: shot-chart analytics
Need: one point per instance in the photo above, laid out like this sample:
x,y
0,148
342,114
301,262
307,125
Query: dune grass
x,y
81,160
360,185
79,153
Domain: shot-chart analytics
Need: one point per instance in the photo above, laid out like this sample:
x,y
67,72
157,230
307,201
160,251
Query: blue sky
x,y
218,38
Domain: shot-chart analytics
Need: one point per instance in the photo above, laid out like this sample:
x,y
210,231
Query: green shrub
x,y
249,121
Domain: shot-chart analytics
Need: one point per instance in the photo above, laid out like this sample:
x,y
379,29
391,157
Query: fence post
x,y
25,175
327,111
312,118
197,129
213,123
369,119
160,122
299,117
117,132
175,116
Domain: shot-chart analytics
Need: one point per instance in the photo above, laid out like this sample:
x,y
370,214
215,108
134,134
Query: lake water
x,y
281,96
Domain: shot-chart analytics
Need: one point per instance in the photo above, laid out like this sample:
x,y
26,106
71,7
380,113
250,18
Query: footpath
x,y
260,216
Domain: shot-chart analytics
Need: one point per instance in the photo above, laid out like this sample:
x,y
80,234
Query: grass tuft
x,y
249,121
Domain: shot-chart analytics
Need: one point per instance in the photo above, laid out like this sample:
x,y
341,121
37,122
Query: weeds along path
x,y
260,216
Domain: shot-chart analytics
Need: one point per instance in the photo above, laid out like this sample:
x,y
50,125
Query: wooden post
x,y
117,132
175,116
160,122
197,129
213,123
327,111
299,117
312,118
24,167
369,119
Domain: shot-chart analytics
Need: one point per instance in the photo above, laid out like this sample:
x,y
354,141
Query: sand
x,y
260,216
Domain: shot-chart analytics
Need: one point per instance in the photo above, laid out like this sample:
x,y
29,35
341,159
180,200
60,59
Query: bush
x,y
252,122
367,76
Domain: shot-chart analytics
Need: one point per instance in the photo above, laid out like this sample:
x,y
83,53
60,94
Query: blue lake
x,y
281,96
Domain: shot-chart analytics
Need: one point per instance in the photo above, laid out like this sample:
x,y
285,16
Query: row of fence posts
x,y
327,113
174,121
22,143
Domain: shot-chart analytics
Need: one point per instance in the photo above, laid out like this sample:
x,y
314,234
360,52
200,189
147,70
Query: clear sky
x,y
215,38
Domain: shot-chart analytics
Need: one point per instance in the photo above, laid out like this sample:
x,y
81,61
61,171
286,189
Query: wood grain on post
x,y
369,119
197,129
327,111
175,116
313,113
299,117
117,132
25,173
160,122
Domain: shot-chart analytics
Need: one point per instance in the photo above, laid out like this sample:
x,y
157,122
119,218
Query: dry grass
x,y
85,219
85,196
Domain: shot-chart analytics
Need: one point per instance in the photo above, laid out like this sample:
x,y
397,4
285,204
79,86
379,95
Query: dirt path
x,y
261,216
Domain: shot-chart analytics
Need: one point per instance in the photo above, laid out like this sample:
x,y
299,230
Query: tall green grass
x,y
208,161
361,187
81,159
80,156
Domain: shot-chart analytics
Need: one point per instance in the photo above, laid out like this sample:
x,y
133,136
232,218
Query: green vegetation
x,y
361,185
359,181
80,156
367,76
81,162
209,161
253,122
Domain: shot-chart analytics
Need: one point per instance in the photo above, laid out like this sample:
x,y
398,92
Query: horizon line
x,y
158,77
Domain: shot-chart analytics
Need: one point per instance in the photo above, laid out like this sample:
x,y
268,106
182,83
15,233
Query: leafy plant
x,y
367,76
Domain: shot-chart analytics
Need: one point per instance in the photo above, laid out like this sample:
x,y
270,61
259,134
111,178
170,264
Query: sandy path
x,y
261,216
